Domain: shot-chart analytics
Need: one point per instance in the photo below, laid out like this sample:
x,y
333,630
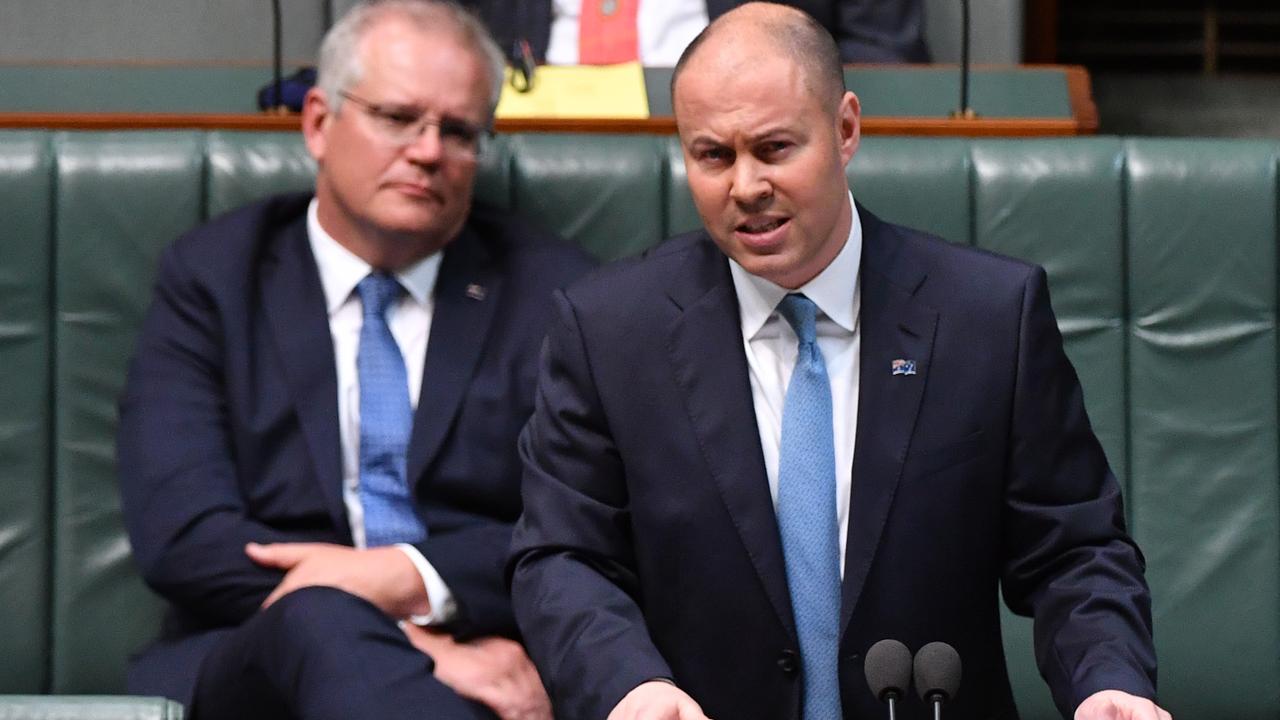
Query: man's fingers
x,y
657,700
691,711
278,555
1118,705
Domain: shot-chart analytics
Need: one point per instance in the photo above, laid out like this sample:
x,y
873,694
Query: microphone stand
x,y
964,112
278,107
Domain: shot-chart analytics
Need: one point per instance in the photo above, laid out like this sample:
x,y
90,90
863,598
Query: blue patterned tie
x,y
386,418
807,513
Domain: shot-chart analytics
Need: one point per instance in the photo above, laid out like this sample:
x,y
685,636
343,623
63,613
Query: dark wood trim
x,y
665,125
1084,112
148,121
655,126
976,127
1083,120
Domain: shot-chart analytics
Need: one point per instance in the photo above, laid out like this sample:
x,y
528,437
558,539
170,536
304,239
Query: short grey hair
x,y
340,68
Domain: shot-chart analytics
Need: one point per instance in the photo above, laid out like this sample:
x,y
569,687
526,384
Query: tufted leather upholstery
x,y
1162,261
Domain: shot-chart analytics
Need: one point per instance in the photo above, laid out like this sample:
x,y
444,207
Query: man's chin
x,y
412,219
769,267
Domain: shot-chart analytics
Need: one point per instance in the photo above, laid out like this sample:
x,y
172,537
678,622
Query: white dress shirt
x,y
664,30
771,346
410,322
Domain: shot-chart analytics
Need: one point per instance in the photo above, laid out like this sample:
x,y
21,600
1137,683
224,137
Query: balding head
x,y
759,32
767,130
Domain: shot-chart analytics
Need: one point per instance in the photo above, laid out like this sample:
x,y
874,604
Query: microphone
x,y
937,675
888,670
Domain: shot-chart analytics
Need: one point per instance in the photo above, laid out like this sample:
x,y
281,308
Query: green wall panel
x,y
1202,276
924,183
121,198
26,176
604,194
1059,206
247,166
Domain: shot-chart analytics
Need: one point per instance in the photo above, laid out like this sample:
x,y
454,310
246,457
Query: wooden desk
x,y
1021,101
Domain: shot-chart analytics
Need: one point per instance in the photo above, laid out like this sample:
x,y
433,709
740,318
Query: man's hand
x,y
657,700
492,670
384,576
1117,705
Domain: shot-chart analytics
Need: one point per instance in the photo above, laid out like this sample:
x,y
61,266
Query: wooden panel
x,y
1083,120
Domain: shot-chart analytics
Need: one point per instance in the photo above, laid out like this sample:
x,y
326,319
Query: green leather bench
x,y
1163,262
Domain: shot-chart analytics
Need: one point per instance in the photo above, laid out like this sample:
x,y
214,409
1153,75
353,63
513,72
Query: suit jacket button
x,y
789,662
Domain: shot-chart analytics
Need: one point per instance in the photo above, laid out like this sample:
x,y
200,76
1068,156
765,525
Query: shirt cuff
x,y
443,606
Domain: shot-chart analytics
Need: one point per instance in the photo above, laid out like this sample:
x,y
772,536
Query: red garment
x,y
607,32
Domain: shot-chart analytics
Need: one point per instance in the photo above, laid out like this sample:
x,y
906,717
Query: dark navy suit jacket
x,y
649,548
229,421
865,30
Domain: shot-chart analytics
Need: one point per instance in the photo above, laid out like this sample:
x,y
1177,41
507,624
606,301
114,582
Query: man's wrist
x,y
435,605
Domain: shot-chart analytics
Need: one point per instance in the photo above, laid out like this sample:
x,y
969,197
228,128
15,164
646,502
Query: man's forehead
x,y
403,58
728,82
735,65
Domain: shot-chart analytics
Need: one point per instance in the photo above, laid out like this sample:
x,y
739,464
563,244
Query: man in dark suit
x,y
329,547
743,472
867,31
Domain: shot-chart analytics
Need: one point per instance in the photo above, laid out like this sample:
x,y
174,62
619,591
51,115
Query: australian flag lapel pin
x,y
903,367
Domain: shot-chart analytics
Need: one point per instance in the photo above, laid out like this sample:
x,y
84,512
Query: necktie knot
x,y
802,314
377,291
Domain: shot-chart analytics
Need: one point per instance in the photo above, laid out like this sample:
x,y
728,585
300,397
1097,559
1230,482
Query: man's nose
x,y
426,148
750,183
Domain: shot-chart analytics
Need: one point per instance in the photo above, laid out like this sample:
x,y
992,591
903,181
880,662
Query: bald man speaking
x,y
769,444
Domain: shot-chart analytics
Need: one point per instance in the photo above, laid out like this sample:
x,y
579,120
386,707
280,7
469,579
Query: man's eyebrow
x,y
704,141
413,108
770,133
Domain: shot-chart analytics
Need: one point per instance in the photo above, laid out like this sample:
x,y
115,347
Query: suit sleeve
x,y
881,31
471,561
1069,561
574,584
182,504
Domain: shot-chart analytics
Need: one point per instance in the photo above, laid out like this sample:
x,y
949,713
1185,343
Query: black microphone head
x,y
888,669
937,672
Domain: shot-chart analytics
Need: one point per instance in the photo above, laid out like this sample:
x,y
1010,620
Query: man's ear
x,y
316,118
849,126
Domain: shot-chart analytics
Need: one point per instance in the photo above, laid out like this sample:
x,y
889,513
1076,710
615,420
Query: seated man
x,y
655,32
813,430
317,437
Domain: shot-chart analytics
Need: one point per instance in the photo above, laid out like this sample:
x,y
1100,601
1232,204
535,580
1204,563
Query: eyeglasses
x,y
401,125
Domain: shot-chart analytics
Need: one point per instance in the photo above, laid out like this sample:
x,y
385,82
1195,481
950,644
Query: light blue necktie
x,y
386,418
807,513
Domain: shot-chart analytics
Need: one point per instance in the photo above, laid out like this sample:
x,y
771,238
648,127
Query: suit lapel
x,y
295,307
705,346
466,296
895,326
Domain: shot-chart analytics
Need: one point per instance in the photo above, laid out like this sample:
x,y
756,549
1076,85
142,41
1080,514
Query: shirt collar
x,y
834,290
341,270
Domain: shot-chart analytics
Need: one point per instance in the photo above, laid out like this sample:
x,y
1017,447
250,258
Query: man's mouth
x,y
416,189
761,226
